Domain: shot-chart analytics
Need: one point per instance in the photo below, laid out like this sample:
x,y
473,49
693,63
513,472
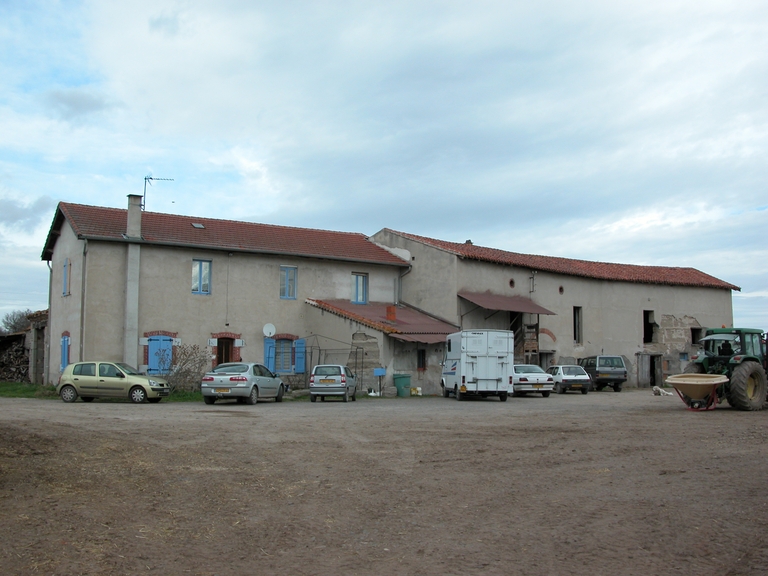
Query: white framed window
x,y
201,276
288,278
359,288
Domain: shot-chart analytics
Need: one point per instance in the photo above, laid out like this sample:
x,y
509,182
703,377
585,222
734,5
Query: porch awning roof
x,y
422,338
509,303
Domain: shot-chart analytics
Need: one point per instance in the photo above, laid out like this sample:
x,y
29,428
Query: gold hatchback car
x,y
90,380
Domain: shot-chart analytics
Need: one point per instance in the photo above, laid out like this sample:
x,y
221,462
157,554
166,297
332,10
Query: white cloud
x,y
632,132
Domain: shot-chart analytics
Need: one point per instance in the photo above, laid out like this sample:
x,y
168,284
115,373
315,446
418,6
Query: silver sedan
x,y
247,382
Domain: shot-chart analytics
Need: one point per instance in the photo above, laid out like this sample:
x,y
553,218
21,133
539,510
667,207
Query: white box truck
x,y
478,362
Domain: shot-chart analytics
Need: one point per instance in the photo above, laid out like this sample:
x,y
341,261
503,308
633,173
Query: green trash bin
x,y
403,384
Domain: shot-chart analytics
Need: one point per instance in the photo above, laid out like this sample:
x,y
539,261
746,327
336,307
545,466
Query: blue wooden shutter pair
x,y
299,349
160,354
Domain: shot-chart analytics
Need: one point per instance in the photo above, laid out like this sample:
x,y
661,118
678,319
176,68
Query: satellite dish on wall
x,y
269,330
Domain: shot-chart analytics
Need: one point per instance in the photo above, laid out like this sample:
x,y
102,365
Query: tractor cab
x,y
721,345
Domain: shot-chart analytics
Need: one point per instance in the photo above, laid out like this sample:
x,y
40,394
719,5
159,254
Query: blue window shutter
x,y
269,353
300,347
160,354
64,352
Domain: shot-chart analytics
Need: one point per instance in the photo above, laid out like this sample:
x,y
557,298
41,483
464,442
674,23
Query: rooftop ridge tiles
x,y
574,266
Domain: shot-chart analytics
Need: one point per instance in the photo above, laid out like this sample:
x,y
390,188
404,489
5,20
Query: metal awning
x,y
422,338
509,303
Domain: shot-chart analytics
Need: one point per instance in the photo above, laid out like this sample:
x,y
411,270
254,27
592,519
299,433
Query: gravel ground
x,y
605,483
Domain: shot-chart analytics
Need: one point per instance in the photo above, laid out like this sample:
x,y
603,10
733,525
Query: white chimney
x,y
133,229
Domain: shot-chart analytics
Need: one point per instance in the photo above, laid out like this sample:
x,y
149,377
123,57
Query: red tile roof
x,y
99,223
407,321
666,275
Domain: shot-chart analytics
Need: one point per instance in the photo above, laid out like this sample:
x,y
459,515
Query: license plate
x,y
604,375
538,385
221,390
575,385
327,381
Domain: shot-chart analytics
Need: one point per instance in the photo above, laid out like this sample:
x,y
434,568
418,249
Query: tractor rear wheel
x,y
747,388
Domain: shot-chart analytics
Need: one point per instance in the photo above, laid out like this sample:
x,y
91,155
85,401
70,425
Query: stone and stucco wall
x,y
245,295
612,312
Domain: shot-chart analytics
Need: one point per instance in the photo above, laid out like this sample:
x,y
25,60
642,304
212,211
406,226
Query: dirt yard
x,y
601,484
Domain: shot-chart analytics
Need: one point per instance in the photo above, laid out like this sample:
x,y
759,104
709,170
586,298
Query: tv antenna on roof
x,y
149,179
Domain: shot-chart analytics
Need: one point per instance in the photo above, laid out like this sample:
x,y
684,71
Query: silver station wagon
x,y
246,382
332,380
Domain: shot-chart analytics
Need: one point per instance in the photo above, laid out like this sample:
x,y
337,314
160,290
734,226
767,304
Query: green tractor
x,y
739,354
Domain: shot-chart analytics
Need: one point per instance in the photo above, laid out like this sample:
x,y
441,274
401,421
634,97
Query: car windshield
x,y
573,371
128,369
231,368
528,369
328,370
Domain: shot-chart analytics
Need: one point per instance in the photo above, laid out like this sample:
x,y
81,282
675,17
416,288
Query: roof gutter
x,y
239,250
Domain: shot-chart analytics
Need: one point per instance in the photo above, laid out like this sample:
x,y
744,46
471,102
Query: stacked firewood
x,y
14,363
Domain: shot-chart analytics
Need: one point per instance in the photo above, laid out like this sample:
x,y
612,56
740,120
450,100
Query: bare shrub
x,y
188,365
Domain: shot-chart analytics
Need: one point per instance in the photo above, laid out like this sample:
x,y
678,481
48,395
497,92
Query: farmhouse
x,y
133,286
563,309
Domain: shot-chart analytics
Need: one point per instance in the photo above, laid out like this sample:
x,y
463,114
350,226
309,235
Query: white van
x,y
478,362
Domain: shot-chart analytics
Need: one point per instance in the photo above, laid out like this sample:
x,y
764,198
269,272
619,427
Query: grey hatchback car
x,y
247,382
332,380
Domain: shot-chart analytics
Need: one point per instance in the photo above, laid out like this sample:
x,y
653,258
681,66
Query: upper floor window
x,y
201,276
359,288
288,276
578,328
67,272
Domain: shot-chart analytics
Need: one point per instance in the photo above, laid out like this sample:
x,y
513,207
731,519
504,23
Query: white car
x,y
570,377
531,378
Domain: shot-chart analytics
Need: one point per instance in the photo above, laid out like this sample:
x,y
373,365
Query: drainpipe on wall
x,y
81,352
47,343
133,261
399,287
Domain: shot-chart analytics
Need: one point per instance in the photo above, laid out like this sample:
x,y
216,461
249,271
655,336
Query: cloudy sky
x,y
632,131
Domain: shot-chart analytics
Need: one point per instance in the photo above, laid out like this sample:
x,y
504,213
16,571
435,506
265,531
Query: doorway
x,y
224,348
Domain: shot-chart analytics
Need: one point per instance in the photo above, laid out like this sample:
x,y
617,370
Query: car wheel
x,y
154,400
280,392
559,389
68,394
585,390
446,392
617,388
86,398
312,398
253,397
545,394
137,395
345,397
503,397
458,394
354,395
322,398
209,399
